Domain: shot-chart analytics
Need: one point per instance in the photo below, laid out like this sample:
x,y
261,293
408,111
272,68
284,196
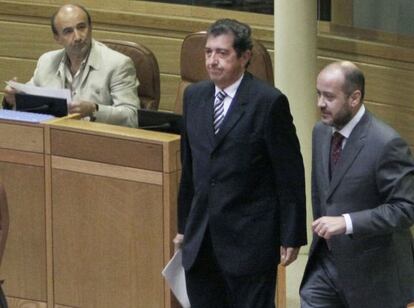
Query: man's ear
x,y
247,55
356,98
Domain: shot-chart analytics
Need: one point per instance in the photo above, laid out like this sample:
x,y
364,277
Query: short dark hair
x,y
241,32
53,17
354,80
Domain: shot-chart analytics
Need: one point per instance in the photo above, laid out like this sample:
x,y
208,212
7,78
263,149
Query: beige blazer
x,y
109,80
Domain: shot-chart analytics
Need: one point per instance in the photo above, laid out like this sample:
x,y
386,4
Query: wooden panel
x,y
63,306
18,42
171,182
169,88
25,158
108,242
24,303
21,137
112,171
12,67
24,262
106,150
172,162
365,47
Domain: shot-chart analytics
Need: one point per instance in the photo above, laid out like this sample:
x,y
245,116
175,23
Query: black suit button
x,y
213,182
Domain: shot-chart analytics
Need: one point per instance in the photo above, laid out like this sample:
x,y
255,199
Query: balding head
x,y
353,77
340,88
65,10
72,30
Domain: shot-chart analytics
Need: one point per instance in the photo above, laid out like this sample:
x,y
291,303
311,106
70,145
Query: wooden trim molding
x,y
107,170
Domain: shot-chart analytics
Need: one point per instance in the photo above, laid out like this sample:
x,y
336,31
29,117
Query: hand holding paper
x,y
40,91
9,94
175,276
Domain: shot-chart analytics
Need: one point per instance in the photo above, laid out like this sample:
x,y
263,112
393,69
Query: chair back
x,y
192,64
4,220
146,66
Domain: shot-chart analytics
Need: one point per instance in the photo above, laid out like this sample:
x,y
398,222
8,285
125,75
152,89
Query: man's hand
x,y
84,108
328,226
178,241
288,255
9,94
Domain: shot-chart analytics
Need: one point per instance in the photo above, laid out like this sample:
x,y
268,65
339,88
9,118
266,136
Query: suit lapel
x,y
326,148
236,109
60,73
93,62
353,147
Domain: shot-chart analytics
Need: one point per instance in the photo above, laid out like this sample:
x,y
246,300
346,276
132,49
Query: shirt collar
x,y
348,128
231,89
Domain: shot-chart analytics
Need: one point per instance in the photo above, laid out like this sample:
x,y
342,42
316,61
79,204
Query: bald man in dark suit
x,y
362,254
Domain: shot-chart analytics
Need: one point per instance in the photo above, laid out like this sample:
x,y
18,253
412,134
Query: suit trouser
x,y
208,286
321,289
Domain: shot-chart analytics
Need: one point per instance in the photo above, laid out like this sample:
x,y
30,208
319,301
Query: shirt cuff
x,y
348,223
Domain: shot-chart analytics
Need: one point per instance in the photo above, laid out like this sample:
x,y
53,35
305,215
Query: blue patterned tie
x,y
218,110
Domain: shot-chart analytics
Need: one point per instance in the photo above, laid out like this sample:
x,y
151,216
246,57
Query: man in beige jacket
x,y
102,81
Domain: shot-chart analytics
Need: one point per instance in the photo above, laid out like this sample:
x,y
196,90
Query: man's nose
x,y
320,102
77,35
213,58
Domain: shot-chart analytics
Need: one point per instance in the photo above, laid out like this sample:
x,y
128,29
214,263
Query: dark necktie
x,y
336,149
218,111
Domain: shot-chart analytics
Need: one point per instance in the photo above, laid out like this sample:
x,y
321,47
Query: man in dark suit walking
x,y
362,254
241,205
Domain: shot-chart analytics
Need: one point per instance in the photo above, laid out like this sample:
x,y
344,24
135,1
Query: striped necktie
x,y
218,110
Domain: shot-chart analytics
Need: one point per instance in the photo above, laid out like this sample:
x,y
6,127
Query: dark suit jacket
x,y
374,183
246,183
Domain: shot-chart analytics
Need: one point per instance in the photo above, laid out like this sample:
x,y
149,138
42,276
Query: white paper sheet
x,y
174,274
40,91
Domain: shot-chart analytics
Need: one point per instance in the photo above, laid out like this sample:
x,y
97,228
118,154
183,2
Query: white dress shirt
x,y
346,132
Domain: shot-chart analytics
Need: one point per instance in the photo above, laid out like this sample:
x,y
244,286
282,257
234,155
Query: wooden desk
x,y
22,171
92,210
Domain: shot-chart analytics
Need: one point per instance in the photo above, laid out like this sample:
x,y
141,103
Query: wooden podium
x,y
92,215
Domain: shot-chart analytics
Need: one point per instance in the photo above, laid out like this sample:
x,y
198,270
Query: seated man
x,y
102,81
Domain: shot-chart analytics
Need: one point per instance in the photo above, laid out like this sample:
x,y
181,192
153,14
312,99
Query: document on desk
x,y
40,91
14,115
174,274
